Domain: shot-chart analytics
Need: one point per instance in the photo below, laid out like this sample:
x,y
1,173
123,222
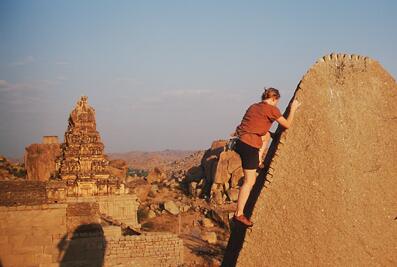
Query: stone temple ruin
x,y
74,209
82,163
83,157
327,196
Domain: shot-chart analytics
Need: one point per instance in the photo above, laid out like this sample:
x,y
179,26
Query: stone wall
x,y
122,208
41,236
151,249
29,235
81,213
22,193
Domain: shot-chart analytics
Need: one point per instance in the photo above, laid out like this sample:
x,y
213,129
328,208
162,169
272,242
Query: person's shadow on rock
x,y
85,247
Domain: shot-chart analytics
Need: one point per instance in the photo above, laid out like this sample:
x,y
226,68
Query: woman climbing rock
x,y
253,138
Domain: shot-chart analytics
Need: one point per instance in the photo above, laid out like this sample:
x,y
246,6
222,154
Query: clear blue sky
x,y
168,74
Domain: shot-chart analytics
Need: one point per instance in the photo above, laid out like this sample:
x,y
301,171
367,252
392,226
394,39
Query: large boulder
x,y
220,169
171,207
40,161
156,175
332,196
228,162
222,166
210,159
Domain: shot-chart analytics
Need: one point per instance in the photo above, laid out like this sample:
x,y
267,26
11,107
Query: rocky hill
x,y
167,203
10,170
148,160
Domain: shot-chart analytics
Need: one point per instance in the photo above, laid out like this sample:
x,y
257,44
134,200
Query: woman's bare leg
x,y
265,140
245,189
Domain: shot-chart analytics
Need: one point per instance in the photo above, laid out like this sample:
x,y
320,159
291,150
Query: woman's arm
x,y
286,123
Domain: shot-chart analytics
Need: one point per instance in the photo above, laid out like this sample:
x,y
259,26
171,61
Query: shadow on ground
x,y
86,247
204,250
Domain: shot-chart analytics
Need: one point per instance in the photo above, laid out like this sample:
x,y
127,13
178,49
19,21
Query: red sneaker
x,y
244,220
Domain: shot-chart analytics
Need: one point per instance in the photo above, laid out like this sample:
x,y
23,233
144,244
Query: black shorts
x,y
249,155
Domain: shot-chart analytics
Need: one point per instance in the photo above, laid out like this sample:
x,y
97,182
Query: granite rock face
x,y
40,161
332,196
222,170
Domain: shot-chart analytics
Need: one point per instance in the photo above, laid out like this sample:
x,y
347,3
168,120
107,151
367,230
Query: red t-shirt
x,y
256,122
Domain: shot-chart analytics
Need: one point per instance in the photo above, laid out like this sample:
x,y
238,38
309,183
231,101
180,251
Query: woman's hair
x,y
270,92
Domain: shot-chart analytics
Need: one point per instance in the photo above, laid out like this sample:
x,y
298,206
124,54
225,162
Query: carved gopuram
x,y
83,164
83,156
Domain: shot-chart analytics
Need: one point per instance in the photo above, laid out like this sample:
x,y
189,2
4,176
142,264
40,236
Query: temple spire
x,y
83,152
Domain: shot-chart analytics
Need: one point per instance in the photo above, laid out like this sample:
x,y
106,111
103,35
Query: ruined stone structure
x,y
77,168
122,208
50,139
79,161
83,156
71,235
74,209
330,199
83,163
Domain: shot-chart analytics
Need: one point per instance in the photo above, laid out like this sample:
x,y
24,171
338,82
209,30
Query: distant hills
x,y
141,159
148,160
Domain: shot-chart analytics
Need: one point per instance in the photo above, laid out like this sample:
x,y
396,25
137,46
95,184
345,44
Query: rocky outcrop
x,y
40,161
221,173
331,195
11,170
156,175
211,158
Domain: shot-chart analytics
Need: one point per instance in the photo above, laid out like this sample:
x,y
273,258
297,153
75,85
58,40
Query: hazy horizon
x,y
168,74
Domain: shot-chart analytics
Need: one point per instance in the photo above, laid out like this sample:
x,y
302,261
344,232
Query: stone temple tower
x,y
83,160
